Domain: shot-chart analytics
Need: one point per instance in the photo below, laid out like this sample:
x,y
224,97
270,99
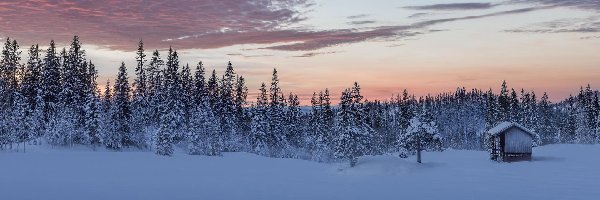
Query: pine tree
x,y
164,140
122,108
187,96
546,127
422,134
154,84
504,104
30,83
51,79
354,133
200,93
92,120
259,138
140,83
293,123
169,131
36,118
21,127
492,110
9,64
204,137
241,93
276,116
173,96
212,89
515,107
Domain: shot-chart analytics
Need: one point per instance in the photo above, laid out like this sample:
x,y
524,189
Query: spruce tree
x,y
354,133
504,103
204,136
293,121
120,113
140,83
200,93
422,134
259,138
154,85
276,116
30,83
546,127
9,64
51,79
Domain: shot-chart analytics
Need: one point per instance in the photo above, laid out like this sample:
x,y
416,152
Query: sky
x,y
424,46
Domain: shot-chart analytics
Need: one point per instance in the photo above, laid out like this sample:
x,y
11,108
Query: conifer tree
x,y
187,96
120,112
30,83
200,93
354,133
51,79
546,127
204,137
259,138
492,110
9,64
154,85
504,103
422,134
140,83
276,115
173,96
293,123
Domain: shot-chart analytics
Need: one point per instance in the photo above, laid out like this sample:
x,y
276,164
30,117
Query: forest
x,y
53,98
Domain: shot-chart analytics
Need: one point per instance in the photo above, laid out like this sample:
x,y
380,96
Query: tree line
x,y
54,98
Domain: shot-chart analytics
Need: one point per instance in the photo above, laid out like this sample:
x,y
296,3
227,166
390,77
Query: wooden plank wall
x,y
517,141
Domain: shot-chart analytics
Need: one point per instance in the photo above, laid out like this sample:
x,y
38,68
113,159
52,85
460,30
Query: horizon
x,y
426,47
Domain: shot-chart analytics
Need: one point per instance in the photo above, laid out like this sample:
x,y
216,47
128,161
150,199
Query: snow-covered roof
x,y
503,126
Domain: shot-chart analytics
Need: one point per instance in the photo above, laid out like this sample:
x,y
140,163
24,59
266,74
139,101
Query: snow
x,y
556,172
502,126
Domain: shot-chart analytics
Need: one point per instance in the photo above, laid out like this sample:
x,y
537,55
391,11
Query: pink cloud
x,y
119,24
187,24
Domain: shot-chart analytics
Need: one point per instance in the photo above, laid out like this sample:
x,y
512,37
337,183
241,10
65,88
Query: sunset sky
x,y
425,46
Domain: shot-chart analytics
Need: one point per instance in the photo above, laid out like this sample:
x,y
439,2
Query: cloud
x,y
418,15
570,25
322,39
395,45
190,24
119,24
453,6
501,13
579,4
313,40
590,37
357,16
249,56
363,22
312,54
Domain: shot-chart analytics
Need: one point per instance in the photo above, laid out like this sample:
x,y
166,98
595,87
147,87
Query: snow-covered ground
x,y
557,172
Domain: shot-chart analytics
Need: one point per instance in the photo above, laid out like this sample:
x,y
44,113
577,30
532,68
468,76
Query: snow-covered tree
x,y
422,134
354,134
259,138
204,137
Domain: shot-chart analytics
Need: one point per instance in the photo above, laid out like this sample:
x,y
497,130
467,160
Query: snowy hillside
x,y
557,172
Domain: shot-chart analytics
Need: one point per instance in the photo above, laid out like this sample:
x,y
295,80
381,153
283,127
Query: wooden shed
x,y
509,142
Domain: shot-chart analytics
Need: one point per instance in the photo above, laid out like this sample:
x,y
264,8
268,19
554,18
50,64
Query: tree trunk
x,y
419,155
353,161
419,150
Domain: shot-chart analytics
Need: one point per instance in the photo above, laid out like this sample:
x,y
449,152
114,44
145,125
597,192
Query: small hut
x,y
509,142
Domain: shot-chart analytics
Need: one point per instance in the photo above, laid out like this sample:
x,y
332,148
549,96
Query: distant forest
x,y
54,99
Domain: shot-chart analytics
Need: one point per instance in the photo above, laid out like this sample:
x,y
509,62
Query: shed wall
x,y
517,141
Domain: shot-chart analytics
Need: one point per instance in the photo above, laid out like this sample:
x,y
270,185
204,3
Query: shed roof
x,y
503,126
